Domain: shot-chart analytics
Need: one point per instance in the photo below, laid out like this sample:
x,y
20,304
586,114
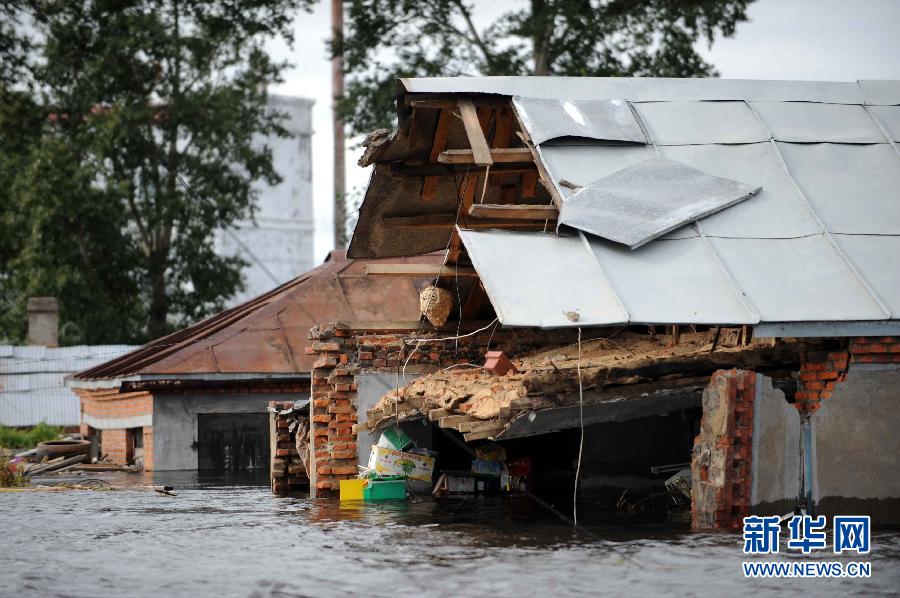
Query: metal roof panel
x,y
805,122
889,118
878,259
642,202
535,279
584,164
686,123
602,120
854,189
672,282
649,88
881,92
796,280
777,211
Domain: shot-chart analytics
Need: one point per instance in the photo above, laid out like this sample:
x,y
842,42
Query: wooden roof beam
x,y
480,150
419,270
465,156
448,220
514,212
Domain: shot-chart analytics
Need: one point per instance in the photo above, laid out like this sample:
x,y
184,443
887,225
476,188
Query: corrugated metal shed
x,y
816,249
32,382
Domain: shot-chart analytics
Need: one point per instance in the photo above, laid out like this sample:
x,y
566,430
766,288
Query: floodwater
x,y
233,538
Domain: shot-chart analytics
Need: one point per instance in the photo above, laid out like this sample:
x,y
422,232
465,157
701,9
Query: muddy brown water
x,y
231,537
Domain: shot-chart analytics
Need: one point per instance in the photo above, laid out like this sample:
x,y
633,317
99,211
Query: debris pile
x,y
479,404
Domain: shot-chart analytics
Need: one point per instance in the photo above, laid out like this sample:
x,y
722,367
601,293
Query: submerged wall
x,y
775,465
857,446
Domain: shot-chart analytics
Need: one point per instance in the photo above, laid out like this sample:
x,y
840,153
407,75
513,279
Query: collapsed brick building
x,y
199,398
753,336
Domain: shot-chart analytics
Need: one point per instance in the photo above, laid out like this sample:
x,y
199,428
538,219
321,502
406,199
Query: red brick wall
x,y
110,403
722,455
344,353
821,371
115,445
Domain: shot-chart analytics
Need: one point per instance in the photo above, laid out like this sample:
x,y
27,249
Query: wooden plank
x,y
480,426
472,436
422,270
529,184
448,220
473,301
451,421
467,156
436,101
514,212
502,136
411,326
480,150
436,414
508,194
425,170
430,185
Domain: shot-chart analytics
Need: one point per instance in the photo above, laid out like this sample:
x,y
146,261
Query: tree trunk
x,y
542,28
157,324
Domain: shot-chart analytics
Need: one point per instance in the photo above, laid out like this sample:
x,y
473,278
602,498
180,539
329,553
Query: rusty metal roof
x,y
268,334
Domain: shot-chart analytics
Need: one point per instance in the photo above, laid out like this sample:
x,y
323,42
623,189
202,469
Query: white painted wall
x,y
282,234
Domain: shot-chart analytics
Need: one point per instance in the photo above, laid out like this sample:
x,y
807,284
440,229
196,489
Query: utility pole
x,y
337,93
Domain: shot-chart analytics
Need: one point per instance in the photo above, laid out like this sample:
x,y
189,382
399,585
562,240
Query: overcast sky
x,y
825,40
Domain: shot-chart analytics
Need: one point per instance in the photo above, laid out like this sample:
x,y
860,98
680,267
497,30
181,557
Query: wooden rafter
x,y
477,141
473,301
514,212
448,220
505,155
420,270
430,185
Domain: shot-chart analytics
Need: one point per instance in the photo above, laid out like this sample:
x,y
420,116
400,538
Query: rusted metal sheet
x,y
268,334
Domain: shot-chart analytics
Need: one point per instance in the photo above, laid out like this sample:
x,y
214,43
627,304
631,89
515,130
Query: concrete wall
x,y
775,464
371,386
175,423
857,445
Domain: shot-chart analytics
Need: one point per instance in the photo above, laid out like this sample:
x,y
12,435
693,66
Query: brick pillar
x,y
334,406
721,458
148,448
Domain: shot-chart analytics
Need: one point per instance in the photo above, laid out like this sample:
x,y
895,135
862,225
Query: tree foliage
x,y
386,39
141,99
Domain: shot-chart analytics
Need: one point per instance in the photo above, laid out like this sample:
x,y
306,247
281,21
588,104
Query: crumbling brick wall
x,y
288,473
820,371
722,454
344,353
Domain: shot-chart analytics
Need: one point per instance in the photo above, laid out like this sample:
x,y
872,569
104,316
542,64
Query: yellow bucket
x,y
352,489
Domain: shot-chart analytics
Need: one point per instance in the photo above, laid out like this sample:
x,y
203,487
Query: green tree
x,y
144,99
386,39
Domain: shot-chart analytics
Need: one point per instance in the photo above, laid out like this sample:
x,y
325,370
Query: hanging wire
x,y
581,441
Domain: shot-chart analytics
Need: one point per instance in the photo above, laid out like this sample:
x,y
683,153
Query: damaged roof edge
x,y
201,377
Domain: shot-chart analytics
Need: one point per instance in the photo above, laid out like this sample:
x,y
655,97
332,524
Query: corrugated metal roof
x,y
819,243
32,381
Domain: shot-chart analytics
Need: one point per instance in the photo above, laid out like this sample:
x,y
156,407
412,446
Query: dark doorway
x,y
233,441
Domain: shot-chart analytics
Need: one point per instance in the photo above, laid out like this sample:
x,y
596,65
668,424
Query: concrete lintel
x,y
101,423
